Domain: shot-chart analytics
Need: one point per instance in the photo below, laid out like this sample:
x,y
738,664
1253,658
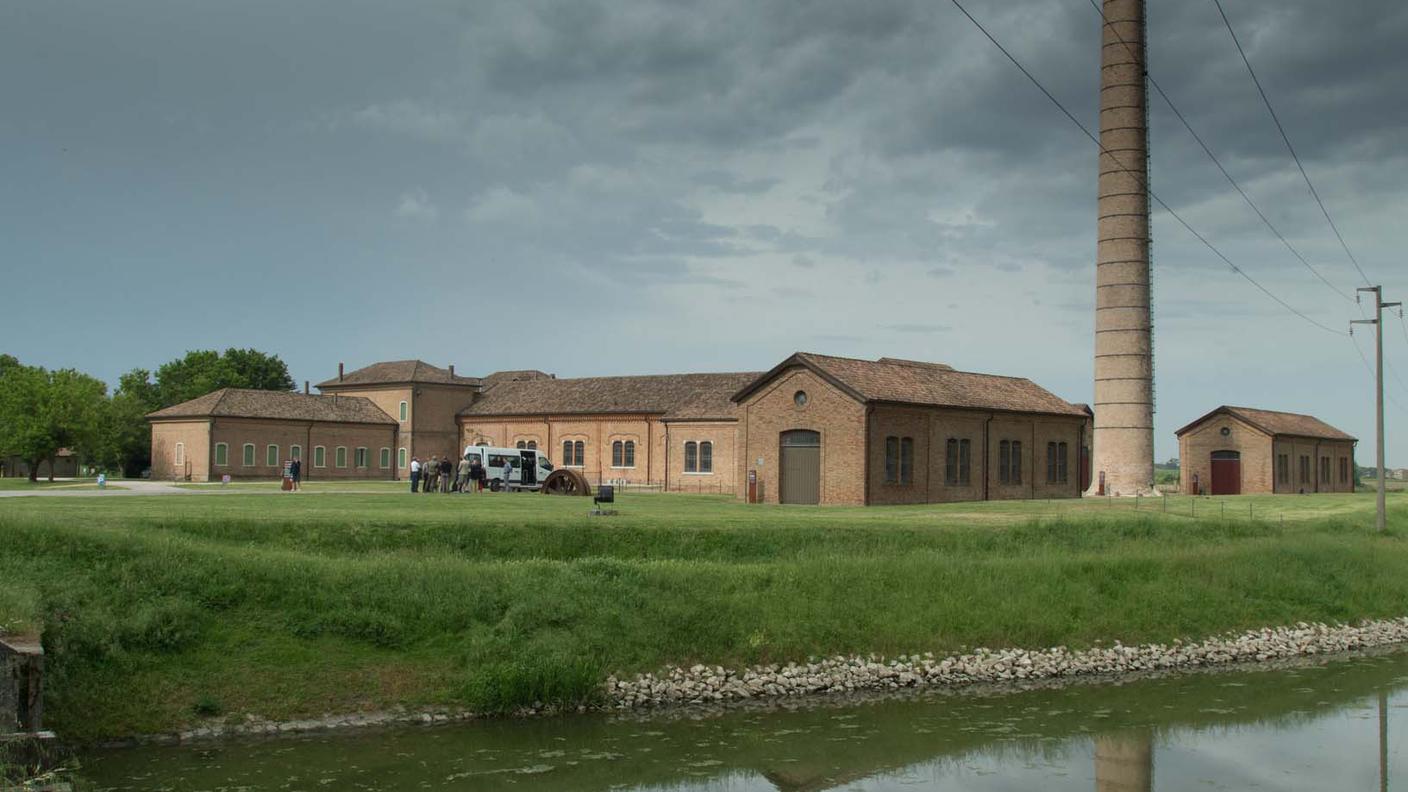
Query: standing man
x,y
295,472
447,474
462,476
415,473
432,474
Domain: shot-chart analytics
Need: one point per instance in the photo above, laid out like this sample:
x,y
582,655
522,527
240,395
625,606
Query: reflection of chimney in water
x,y
1124,762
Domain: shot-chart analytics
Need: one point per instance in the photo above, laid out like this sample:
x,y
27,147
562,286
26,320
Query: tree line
x,y
42,410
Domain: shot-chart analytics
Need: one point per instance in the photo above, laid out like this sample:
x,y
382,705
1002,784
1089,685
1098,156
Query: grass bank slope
x,y
158,611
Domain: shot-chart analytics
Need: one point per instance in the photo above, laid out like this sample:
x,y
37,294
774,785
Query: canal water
x,y
1338,726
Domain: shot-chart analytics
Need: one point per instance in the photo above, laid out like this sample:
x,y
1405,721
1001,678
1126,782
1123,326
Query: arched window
x,y
1056,472
222,454
247,457
573,453
295,452
384,458
401,458
1009,464
340,456
271,455
533,444
180,459
362,457
630,453
405,411
691,457
521,445
320,456
899,460
706,457
618,454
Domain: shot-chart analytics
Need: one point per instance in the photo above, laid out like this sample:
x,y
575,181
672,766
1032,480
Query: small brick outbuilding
x,y
1246,451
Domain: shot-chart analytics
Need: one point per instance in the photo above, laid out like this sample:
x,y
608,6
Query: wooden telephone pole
x,y
1381,522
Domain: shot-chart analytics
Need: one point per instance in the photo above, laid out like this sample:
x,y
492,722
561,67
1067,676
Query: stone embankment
x,y
849,674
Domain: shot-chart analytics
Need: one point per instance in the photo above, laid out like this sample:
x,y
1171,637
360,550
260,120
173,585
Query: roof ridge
x,y
892,361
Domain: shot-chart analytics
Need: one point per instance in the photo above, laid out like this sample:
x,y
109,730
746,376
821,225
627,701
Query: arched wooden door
x,y
1226,473
800,468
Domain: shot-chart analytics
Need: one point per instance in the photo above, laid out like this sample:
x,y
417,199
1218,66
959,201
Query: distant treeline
x,y
43,411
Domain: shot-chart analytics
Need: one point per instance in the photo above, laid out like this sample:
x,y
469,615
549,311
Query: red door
x,y
1226,473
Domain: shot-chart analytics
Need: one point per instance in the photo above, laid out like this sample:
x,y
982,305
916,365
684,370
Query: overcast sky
x,y
640,187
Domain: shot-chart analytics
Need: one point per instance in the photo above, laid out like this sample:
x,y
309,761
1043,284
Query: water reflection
x,y
1124,762
1308,728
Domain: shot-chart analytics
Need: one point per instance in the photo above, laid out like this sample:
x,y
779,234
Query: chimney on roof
x,y
452,371
339,372
305,388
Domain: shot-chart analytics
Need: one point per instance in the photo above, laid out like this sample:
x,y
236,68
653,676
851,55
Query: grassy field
x,y
158,611
25,485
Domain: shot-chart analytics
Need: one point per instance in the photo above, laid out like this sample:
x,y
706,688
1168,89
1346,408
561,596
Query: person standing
x,y
431,473
295,472
415,473
447,474
476,475
462,475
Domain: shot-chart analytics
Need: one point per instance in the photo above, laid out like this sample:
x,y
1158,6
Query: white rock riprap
x,y
842,674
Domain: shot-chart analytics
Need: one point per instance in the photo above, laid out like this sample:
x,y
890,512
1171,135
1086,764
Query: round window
x,y
1226,431
800,398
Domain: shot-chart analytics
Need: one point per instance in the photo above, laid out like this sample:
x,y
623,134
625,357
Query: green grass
x,y
160,610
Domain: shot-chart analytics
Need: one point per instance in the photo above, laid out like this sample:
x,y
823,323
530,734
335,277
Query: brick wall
x,y
839,418
236,432
723,436
596,432
930,428
1259,452
195,437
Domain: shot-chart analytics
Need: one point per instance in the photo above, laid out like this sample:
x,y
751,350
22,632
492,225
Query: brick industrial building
x,y
1244,451
814,429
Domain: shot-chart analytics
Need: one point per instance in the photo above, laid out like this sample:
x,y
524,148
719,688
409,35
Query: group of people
x,y
443,475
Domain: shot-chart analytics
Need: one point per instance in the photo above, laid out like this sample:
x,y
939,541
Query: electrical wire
x,y
1215,161
1279,128
1142,180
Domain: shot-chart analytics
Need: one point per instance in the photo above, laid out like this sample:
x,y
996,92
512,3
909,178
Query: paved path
x,y
128,487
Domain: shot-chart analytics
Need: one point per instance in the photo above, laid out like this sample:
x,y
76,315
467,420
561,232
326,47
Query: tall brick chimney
x,y
452,371
1124,351
339,372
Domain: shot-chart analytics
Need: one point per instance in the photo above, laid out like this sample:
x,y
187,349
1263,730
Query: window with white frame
x,y
362,458
271,455
340,456
401,458
385,458
222,454
405,411
706,457
574,453
180,455
623,454
295,452
247,457
320,457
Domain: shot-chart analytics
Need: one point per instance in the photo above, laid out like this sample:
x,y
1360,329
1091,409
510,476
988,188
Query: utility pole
x,y
1381,522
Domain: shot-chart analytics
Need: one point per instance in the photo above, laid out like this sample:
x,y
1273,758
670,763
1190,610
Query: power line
x,y
1313,193
1369,367
1208,151
1137,176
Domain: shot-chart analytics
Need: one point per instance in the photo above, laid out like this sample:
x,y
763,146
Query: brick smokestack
x,y
339,372
1124,352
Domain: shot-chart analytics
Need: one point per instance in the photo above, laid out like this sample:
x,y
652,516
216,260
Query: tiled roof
x,y
928,384
519,375
398,371
1277,423
674,396
285,405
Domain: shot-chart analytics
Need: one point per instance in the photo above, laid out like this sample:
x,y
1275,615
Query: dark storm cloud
x,y
858,175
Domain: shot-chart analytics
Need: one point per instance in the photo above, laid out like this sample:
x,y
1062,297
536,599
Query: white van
x,y
510,468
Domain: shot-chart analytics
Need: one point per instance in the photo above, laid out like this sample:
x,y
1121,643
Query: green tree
x,y
202,371
126,443
42,411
